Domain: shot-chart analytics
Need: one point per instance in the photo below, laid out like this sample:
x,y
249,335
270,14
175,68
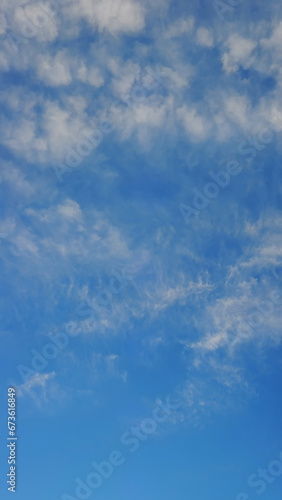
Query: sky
x,y
140,243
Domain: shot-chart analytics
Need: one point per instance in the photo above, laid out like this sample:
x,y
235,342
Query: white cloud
x,y
238,110
163,293
152,116
7,226
66,235
39,380
3,24
268,251
95,78
21,137
62,126
64,214
222,319
180,27
90,75
43,390
36,21
204,37
196,126
55,70
147,118
209,392
70,209
124,75
16,179
166,296
275,40
178,77
239,53
4,62
275,115
114,16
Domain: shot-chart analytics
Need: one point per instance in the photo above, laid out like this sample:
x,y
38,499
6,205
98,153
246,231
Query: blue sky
x,y
141,242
